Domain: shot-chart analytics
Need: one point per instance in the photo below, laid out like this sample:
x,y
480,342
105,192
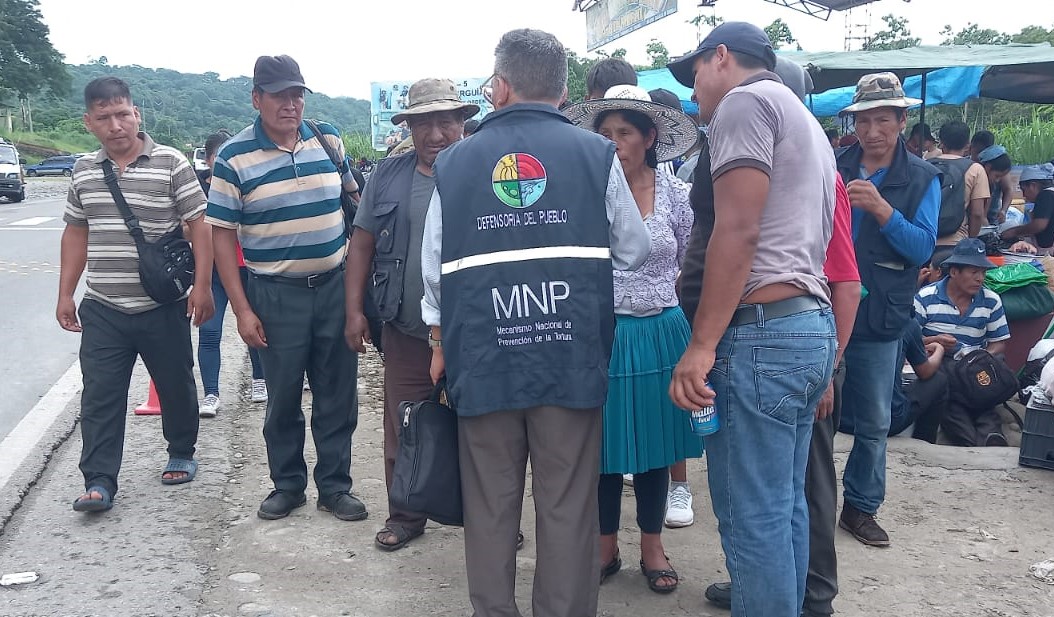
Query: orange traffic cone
x,y
152,406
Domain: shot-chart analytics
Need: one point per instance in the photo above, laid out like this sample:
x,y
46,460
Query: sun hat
x,y
879,90
676,132
991,153
1037,172
737,36
428,96
968,252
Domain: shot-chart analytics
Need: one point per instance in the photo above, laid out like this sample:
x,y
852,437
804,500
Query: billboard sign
x,y
388,98
612,19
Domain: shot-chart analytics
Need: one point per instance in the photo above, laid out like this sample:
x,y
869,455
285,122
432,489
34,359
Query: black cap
x,y
737,36
968,252
276,73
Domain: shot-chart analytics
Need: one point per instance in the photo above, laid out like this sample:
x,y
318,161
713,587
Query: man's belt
x,y
747,314
310,282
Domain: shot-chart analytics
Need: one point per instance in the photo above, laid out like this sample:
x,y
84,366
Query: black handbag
x,y
166,265
983,380
347,202
427,476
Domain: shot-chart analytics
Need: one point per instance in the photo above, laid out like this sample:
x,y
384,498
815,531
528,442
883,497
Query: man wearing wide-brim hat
x,y
979,322
386,246
896,199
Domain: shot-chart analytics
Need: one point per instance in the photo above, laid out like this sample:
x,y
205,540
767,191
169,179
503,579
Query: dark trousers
x,y
305,333
650,488
564,449
406,378
821,496
963,423
928,399
110,342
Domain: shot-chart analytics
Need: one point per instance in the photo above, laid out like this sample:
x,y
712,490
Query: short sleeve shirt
x,y
840,266
761,124
983,323
162,191
1044,209
976,188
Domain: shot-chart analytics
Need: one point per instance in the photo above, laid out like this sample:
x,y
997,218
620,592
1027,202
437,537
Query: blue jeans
x,y
870,372
768,378
211,333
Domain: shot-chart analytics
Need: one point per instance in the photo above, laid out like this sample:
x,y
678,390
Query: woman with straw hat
x,y
643,432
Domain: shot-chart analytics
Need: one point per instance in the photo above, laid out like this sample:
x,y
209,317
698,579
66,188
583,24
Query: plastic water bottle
x,y
705,421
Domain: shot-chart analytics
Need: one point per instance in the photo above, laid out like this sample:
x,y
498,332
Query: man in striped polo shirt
x,y
960,314
276,190
118,320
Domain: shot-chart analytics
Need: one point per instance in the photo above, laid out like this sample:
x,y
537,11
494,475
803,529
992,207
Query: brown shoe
x,y
862,526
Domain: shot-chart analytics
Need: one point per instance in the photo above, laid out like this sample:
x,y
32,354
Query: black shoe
x,y
862,526
279,504
344,506
996,440
720,594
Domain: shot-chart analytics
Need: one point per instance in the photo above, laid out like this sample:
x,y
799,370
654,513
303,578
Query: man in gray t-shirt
x,y
386,249
764,290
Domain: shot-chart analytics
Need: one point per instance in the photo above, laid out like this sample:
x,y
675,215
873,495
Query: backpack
x,y
983,380
953,193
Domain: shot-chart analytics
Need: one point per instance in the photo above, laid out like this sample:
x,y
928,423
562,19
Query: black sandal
x,y
610,568
402,535
653,577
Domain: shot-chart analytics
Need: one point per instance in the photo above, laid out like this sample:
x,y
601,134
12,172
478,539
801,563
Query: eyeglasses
x,y
488,89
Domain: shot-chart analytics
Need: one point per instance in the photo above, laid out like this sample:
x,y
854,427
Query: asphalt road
x,y
34,351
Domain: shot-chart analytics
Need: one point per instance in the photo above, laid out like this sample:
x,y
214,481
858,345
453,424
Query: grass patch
x,y
1028,143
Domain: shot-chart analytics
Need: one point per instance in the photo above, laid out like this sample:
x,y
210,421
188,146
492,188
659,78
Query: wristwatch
x,y
434,343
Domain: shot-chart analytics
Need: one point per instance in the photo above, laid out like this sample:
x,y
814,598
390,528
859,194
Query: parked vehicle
x,y
198,159
12,183
53,166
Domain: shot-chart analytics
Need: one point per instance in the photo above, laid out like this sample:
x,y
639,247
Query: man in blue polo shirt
x,y
277,191
960,314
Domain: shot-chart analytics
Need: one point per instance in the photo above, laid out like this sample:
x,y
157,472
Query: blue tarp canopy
x,y
954,74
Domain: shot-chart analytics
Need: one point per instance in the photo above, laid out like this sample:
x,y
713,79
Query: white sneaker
x,y
209,406
258,391
679,507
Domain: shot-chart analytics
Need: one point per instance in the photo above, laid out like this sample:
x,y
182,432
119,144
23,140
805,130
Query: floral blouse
x,y
653,287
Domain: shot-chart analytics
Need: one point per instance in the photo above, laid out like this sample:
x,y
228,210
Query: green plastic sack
x,y
1012,276
1027,302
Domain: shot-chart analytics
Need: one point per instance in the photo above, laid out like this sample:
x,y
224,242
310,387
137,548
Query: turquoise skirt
x,y
643,429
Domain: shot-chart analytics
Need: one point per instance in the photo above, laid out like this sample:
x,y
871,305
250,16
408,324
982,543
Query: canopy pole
x,y
922,111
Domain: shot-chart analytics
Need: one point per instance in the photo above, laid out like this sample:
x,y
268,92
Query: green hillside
x,y
181,108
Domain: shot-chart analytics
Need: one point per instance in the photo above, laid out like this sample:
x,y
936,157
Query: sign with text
x,y
388,98
612,19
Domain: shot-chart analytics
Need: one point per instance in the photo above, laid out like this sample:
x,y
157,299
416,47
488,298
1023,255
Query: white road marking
x,y
23,440
36,220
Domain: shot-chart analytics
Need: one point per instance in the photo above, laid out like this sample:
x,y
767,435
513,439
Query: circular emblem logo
x,y
518,180
983,379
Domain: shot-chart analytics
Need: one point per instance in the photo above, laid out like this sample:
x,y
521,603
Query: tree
x,y
28,62
1034,34
973,34
780,33
895,36
658,54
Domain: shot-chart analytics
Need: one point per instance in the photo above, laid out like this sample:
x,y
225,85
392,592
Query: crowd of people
x,y
578,294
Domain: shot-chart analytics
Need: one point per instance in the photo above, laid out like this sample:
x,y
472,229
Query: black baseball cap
x,y
276,73
737,36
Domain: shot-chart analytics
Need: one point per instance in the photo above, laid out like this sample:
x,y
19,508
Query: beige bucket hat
x,y
879,90
430,95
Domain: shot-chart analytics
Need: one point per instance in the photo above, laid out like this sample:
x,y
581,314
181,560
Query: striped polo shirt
x,y
983,323
284,204
162,191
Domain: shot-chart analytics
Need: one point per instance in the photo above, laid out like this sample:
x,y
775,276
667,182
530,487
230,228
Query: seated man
x,y
1037,186
960,314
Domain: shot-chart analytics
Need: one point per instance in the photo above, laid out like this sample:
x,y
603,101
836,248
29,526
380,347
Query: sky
x,y
342,46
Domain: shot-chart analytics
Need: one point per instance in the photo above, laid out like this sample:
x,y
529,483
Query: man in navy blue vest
x,y
536,212
895,197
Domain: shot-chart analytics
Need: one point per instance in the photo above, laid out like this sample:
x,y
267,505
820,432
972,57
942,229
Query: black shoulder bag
x,y
166,266
427,476
347,202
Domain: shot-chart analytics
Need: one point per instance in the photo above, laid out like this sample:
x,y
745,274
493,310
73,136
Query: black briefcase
x,y
427,476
